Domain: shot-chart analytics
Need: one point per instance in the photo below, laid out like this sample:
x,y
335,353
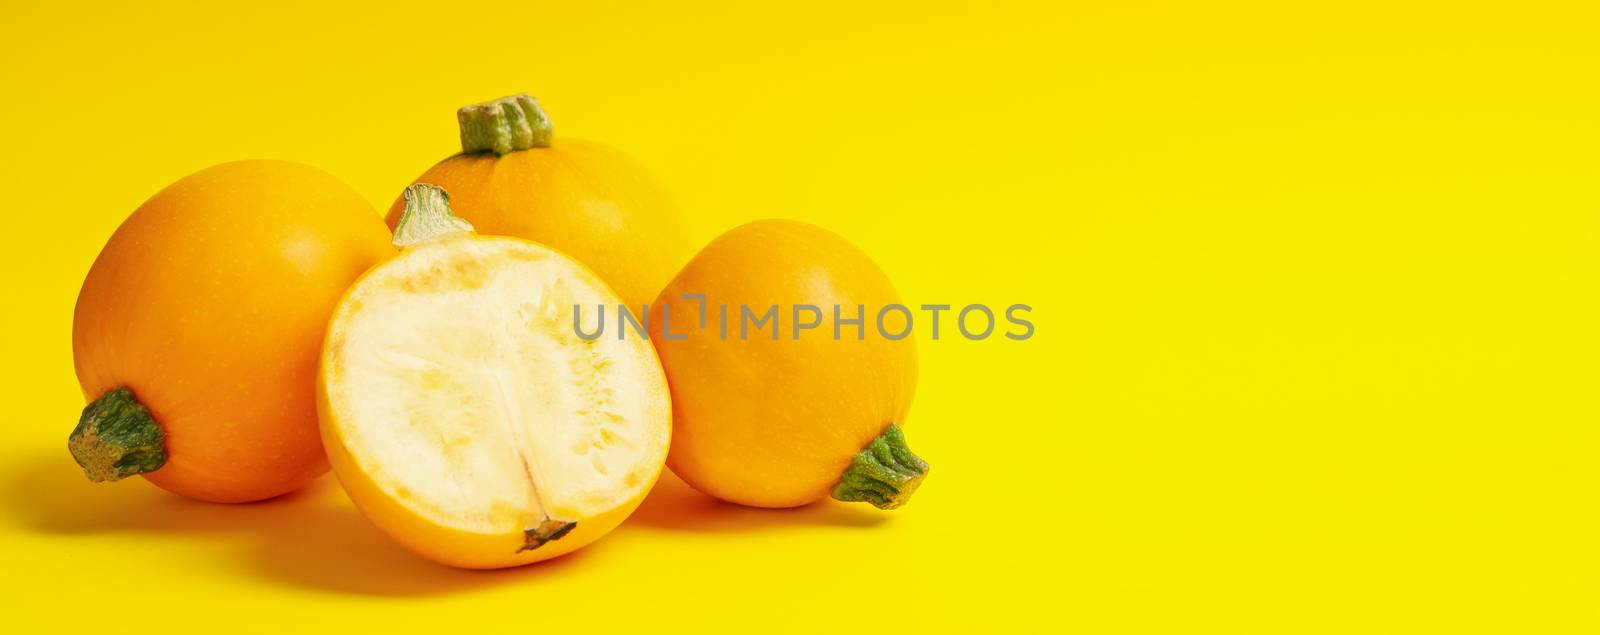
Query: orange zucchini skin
x,y
209,303
582,198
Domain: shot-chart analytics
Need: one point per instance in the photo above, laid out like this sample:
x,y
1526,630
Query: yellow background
x,y
1314,289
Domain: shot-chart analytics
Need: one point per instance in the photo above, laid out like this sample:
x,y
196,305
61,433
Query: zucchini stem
x,y
116,438
505,125
884,473
427,216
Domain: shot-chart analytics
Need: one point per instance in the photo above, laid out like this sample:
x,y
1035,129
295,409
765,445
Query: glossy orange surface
x,y
210,302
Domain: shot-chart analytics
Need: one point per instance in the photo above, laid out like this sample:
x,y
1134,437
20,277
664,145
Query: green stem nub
x,y
427,216
503,126
884,473
549,530
116,438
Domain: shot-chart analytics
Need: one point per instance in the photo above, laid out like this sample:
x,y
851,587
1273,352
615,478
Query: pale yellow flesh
x,y
463,392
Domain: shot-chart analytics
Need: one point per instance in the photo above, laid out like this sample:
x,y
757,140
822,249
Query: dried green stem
x,y
549,530
427,216
503,126
885,473
116,438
